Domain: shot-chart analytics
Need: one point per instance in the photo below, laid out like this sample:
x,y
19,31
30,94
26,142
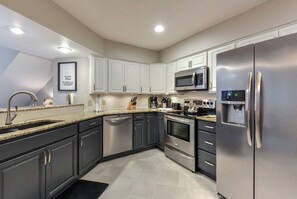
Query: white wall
x,y
266,16
116,50
82,94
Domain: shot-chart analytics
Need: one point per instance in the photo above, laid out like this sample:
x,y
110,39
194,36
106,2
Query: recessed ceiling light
x,y
64,49
159,28
15,30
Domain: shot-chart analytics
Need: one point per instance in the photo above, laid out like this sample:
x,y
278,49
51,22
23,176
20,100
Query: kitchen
x,y
219,144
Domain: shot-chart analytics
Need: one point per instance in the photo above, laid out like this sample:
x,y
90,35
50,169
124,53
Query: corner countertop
x,y
208,118
63,120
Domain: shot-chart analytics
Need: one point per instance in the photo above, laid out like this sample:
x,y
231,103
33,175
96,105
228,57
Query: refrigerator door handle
x,y
258,109
248,108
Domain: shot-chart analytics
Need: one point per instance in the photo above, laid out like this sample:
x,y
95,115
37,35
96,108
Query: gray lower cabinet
x,y
23,177
90,149
39,166
61,168
140,134
161,130
206,151
152,129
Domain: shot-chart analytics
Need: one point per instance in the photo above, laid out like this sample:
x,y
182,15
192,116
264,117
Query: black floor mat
x,y
83,189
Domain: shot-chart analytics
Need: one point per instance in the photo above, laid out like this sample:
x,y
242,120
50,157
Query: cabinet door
x,y
161,129
257,38
183,64
144,78
158,78
116,76
23,177
212,63
98,75
61,168
90,148
152,129
132,77
288,30
140,134
170,83
198,60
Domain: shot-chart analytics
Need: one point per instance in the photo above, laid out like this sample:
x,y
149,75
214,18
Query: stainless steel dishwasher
x,y
117,134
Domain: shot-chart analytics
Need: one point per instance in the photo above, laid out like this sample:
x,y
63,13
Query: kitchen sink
x,y
28,125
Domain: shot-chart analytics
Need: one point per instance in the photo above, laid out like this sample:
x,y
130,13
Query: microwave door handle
x,y
194,79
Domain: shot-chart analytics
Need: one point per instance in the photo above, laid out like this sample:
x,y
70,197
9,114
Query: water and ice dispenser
x,y
233,107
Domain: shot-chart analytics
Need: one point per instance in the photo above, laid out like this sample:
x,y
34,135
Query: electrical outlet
x,y
90,102
103,102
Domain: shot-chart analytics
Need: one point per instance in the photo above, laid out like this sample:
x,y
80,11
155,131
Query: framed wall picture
x,y
67,76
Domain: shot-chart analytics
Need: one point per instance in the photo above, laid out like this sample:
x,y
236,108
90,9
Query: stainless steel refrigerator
x,y
257,121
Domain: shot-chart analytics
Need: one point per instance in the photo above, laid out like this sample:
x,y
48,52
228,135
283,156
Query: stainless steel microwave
x,y
193,79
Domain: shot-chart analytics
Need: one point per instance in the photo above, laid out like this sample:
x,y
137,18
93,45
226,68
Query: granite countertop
x,y
30,108
208,118
63,120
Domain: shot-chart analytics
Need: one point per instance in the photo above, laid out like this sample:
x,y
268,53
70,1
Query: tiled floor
x,y
150,175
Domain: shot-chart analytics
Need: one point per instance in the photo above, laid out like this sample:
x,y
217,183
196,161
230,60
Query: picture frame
x,y
67,76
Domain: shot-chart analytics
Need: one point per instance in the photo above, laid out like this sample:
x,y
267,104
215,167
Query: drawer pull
x,y
209,143
92,124
177,145
209,127
210,164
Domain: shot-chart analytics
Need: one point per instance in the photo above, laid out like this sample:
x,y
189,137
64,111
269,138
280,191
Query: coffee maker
x,y
153,102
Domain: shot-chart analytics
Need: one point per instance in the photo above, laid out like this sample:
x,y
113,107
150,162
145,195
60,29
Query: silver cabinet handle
x,y
258,109
92,124
177,145
209,143
49,156
94,87
209,127
248,108
194,79
45,158
141,89
81,142
210,164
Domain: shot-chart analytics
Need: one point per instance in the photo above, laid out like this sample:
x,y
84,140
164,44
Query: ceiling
x,y
38,40
132,21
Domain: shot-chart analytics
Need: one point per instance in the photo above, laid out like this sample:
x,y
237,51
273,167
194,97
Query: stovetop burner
x,y
193,108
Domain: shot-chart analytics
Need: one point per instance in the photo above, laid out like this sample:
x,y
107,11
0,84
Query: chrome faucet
x,y
9,116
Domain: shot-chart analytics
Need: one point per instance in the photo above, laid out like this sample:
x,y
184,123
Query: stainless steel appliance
x,y
256,121
180,131
153,102
193,79
117,134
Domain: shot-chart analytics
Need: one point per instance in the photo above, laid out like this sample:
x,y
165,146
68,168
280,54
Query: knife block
x,y
131,107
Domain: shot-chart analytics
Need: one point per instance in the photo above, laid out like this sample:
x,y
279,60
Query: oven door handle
x,y
188,121
194,79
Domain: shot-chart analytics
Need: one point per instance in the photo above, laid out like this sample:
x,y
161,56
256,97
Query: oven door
x,y
180,133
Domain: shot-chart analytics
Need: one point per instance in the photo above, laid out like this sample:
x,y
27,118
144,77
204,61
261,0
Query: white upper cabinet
x,y
116,76
183,64
98,74
291,29
170,82
212,63
258,38
132,77
192,62
123,77
158,78
198,60
144,79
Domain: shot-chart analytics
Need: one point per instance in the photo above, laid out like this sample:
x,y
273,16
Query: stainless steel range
x,y
180,131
